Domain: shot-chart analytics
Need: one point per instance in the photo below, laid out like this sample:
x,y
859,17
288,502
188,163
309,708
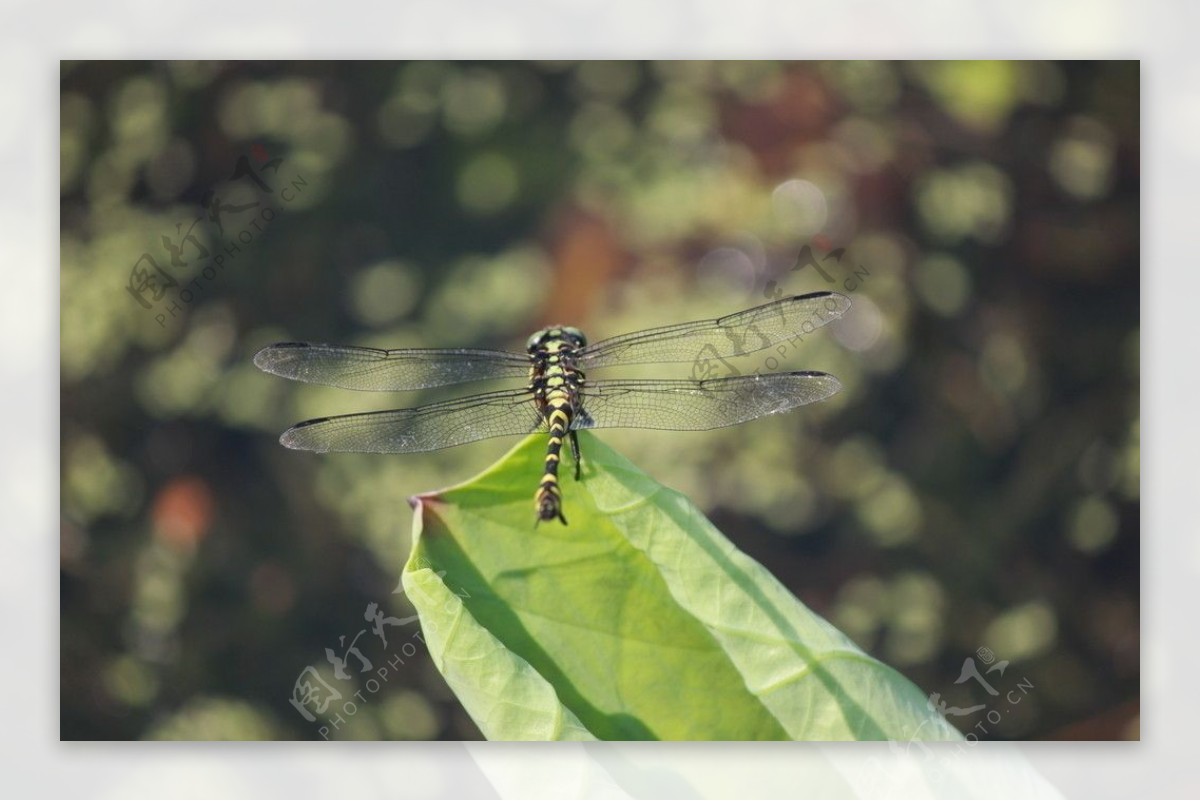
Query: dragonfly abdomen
x,y
549,497
556,384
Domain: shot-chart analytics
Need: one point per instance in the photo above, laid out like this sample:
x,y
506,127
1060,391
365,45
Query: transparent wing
x,y
732,335
387,370
425,428
698,405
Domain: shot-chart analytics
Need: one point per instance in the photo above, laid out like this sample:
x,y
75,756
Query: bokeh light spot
x,y
723,268
979,94
862,328
973,200
1093,524
1082,160
801,206
183,511
1023,632
385,292
474,102
95,482
488,183
943,284
215,719
892,514
408,716
130,681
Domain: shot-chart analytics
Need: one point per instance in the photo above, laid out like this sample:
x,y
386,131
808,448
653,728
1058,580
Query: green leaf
x,y
639,620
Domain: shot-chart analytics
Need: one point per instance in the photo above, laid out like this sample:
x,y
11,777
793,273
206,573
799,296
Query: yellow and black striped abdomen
x,y
558,416
556,384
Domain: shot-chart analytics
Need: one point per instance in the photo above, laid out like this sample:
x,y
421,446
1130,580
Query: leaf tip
x,y
426,505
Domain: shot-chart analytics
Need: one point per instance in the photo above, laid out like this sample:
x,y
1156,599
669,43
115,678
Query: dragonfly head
x,y
550,339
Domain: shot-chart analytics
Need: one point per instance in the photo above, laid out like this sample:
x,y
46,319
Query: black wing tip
x,y
307,423
810,374
286,346
833,382
830,381
840,298
827,378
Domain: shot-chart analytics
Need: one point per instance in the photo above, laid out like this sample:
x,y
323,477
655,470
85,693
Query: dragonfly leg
x,y
575,453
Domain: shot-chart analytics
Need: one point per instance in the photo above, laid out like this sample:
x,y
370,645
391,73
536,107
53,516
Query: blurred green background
x,y
973,493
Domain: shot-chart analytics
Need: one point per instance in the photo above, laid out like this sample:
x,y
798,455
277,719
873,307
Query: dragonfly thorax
x,y
560,337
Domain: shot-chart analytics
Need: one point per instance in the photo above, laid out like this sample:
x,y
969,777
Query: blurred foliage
x,y
975,486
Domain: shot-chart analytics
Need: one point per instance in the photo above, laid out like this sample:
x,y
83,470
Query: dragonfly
x,y
558,399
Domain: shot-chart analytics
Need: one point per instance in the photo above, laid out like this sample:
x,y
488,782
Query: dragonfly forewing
x,y
733,335
378,370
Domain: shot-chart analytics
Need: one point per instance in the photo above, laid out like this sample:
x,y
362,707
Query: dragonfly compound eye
x,y
574,336
535,341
